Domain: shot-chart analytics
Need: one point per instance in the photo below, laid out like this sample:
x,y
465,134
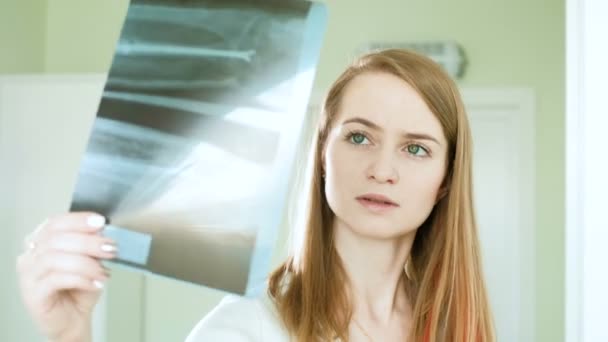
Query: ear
x,y
445,187
323,160
443,191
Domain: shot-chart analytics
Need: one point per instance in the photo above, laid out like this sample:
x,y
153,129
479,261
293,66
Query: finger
x,y
25,263
56,282
77,243
29,241
59,262
22,264
84,222
37,291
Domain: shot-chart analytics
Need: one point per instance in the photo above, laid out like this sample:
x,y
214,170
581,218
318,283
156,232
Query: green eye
x,y
416,149
358,138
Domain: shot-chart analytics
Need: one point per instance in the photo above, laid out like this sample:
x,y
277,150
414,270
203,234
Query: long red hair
x,y
446,283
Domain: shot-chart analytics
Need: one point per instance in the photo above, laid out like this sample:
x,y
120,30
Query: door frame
x,y
520,101
586,278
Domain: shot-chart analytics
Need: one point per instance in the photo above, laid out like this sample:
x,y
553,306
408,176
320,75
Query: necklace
x,y
362,330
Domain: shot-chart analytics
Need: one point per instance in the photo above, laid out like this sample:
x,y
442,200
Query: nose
x,y
383,170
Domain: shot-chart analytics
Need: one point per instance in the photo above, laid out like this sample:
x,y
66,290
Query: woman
x,y
389,250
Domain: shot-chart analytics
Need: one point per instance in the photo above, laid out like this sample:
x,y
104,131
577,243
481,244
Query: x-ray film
x,y
194,140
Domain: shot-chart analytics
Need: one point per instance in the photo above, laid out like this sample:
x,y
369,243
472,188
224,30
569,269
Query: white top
x,y
241,319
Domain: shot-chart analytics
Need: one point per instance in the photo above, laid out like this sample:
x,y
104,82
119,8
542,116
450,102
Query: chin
x,y
377,228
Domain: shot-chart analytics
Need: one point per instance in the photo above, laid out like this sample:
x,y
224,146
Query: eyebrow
x,y
408,135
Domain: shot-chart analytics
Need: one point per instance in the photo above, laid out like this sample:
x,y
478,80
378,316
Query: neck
x,y
375,270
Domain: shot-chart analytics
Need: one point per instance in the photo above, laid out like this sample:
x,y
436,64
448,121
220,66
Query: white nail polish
x,y
96,221
106,247
98,284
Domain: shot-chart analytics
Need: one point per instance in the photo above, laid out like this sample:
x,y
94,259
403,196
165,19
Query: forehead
x,y
389,102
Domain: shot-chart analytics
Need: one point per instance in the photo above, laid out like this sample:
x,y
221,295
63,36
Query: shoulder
x,y
241,319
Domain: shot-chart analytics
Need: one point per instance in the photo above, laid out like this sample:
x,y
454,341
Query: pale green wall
x,y
22,25
81,35
508,43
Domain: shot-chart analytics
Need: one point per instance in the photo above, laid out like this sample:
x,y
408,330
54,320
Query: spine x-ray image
x,y
194,140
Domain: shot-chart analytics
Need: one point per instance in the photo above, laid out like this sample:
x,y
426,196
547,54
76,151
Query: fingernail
x,y
106,247
96,221
98,284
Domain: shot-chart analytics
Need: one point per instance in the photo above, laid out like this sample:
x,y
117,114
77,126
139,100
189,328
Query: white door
x,y
502,123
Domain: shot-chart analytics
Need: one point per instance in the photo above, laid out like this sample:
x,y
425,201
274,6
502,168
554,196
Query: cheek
x,y
342,172
340,160
424,182
420,188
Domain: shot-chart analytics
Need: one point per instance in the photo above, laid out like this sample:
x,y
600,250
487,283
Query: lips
x,y
377,199
377,204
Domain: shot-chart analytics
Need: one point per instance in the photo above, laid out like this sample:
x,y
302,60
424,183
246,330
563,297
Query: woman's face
x,y
385,144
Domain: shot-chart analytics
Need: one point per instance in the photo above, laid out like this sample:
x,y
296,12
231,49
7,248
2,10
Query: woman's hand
x,y
61,275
